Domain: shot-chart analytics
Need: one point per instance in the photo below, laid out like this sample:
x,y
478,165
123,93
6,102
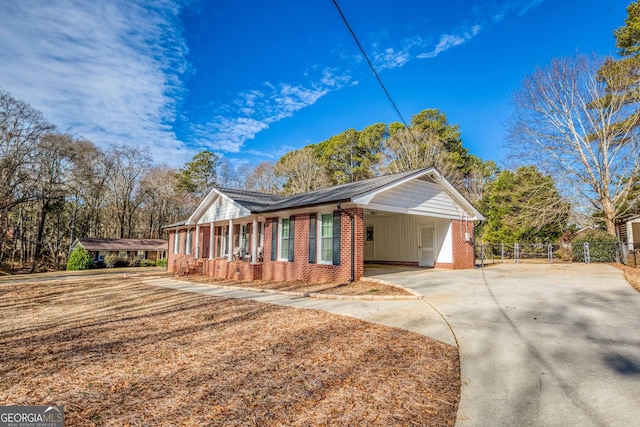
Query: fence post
x,y
502,252
515,252
587,255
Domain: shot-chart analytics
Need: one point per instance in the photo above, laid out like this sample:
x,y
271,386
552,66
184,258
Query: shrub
x,y
111,261
602,246
162,262
146,263
79,259
132,262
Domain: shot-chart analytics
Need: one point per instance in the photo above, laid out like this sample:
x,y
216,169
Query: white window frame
x,y
187,248
245,239
176,242
280,245
319,259
141,255
224,244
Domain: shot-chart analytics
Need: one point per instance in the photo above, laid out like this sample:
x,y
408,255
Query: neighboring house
x,y
628,230
413,218
152,249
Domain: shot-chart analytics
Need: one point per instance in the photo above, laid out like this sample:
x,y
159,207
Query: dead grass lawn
x,y
117,352
355,288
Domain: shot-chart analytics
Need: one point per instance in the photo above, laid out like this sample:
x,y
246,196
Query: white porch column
x,y
211,230
230,254
197,251
254,241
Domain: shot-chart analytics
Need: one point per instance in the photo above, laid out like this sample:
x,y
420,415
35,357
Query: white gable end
x,y
417,197
222,209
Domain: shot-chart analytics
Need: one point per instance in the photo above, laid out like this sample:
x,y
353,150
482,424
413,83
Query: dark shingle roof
x,y
263,203
339,193
255,202
123,244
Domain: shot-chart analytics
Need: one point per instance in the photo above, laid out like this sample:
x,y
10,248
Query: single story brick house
x,y
413,218
152,249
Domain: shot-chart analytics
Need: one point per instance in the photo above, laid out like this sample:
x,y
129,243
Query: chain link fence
x,y
549,253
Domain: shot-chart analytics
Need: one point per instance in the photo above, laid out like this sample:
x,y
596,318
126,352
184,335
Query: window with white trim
x,y
141,255
244,239
283,243
187,242
325,240
224,250
176,242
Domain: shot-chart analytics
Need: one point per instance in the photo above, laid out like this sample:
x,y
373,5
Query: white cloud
x,y
389,58
253,111
447,41
106,70
528,6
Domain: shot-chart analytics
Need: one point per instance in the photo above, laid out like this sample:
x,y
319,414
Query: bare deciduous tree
x,y
130,166
590,148
302,171
263,179
21,128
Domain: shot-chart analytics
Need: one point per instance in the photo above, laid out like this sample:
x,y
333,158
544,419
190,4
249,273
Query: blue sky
x,y
251,80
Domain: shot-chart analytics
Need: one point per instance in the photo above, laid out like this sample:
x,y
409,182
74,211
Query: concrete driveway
x,y
540,345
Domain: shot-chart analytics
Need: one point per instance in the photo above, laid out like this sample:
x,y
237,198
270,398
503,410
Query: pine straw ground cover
x,y
360,287
118,352
631,274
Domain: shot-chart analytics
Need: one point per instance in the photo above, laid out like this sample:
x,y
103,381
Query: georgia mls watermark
x,y
31,416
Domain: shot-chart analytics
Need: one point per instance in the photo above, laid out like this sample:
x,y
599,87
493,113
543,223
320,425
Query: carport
x,y
419,222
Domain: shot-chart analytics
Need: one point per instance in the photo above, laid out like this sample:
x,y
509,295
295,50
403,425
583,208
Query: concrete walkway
x,y
540,345
413,315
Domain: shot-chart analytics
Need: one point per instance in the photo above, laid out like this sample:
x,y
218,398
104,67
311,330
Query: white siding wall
x,y
419,197
396,237
221,211
446,251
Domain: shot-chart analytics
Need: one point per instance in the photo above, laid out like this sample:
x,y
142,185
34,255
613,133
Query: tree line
x,y
573,142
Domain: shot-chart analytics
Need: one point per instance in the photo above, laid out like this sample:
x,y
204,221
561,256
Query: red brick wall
x,y
462,250
301,269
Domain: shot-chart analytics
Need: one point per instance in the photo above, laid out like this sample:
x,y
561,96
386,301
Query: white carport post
x,y
211,229
230,241
197,251
254,241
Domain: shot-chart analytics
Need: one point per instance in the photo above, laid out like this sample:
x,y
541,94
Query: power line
x,y
375,73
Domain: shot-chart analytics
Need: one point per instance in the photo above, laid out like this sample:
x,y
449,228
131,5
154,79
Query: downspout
x,y
353,243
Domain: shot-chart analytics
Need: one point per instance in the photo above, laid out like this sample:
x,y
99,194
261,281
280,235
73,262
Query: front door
x,y
425,248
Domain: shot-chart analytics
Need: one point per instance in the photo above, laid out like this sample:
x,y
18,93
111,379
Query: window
x,y
141,255
122,254
244,239
326,238
284,239
187,243
176,242
224,250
